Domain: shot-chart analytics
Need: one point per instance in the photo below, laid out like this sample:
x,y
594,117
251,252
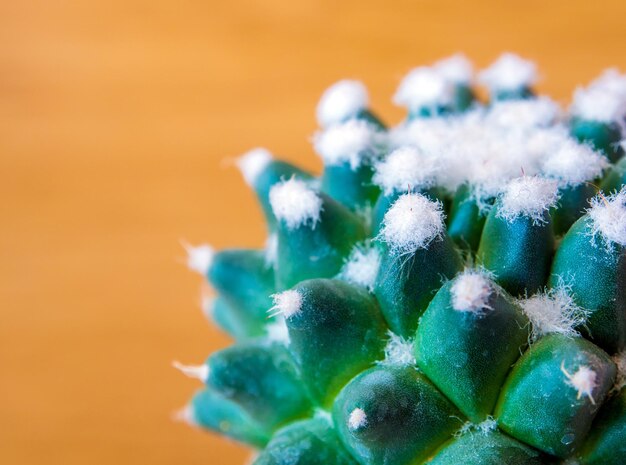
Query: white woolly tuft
x,y
608,215
287,304
361,267
412,223
526,113
200,372
603,100
354,142
295,203
573,164
528,196
399,351
252,163
424,87
199,258
185,415
488,425
271,250
553,312
584,380
471,291
340,101
357,419
620,362
277,331
404,169
509,73
456,69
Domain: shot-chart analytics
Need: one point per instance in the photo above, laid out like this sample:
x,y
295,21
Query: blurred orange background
x,y
115,121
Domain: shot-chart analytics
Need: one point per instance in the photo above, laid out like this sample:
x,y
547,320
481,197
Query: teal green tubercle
x,y
448,291
467,219
603,136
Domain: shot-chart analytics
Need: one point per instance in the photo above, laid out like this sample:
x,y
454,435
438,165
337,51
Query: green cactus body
x,y
604,137
605,444
615,178
541,400
466,222
450,290
595,272
486,448
393,416
518,250
467,340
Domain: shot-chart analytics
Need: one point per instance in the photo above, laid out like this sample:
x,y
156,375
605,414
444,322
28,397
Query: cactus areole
x,y
449,291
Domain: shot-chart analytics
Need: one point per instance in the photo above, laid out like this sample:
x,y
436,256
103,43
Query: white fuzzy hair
x,y
554,311
353,142
412,223
286,303
399,351
528,196
456,69
404,169
604,99
362,265
424,87
357,419
471,291
573,163
252,163
295,203
342,100
509,72
608,217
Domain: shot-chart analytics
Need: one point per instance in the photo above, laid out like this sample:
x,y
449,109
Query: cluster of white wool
x,y
361,267
424,87
528,196
484,427
535,112
553,311
199,258
399,351
488,147
295,203
404,169
286,303
354,142
456,69
277,331
412,223
572,164
252,163
341,101
584,380
608,218
509,73
471,291
357,419
602,100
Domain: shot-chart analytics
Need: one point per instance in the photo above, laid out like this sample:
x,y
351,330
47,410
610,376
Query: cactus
x,y
451,290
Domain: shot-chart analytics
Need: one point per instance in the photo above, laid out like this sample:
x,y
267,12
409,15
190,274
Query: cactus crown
x,y
448,291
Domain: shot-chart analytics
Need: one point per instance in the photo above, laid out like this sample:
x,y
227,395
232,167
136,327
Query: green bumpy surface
x,y
391,372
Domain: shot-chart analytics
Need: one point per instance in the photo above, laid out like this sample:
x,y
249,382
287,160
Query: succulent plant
x,y
451,290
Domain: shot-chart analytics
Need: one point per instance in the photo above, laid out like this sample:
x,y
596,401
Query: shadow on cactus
x,y
451,290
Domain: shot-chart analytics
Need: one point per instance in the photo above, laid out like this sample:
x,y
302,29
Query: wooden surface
x,y
115,121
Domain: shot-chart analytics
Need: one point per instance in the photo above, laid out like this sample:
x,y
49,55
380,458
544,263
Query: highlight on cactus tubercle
x,y
450,290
